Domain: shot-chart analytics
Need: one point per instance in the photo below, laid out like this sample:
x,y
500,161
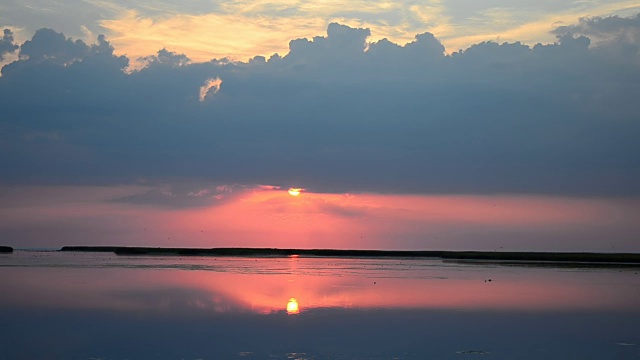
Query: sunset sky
x,y
494,125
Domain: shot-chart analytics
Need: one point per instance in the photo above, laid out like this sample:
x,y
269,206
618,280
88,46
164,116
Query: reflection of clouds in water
x,y
473,352
297,356
173,299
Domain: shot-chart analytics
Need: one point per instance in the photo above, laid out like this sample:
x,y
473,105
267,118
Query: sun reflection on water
x,y
301,284
292,307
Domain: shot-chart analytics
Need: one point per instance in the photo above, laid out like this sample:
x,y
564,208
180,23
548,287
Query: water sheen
x,y
101,306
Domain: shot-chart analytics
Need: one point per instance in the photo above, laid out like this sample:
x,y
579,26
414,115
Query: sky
x,y
431,125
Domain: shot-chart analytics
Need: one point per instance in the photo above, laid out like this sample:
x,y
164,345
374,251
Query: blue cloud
x,y
336,113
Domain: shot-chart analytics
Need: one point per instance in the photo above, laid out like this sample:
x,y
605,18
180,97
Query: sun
x,y
295,191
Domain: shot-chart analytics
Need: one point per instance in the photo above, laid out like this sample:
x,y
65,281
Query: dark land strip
x,y
471,256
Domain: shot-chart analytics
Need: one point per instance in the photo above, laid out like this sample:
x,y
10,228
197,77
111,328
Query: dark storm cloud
x,y
334,114
7,44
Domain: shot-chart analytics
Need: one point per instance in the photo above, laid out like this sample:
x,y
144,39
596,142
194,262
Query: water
x,y
101,306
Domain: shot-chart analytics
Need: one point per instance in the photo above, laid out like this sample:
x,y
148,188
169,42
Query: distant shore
x,y
555,257
6,249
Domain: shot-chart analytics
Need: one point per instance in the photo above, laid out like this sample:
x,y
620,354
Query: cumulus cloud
x,y
7,44
165,57
615,37
49,46
336,113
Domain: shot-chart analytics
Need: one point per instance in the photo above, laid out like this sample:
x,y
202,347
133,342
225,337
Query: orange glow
x,y
264,216
295,191
292,307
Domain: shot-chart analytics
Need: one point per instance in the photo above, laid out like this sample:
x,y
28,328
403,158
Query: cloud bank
x,y
336,113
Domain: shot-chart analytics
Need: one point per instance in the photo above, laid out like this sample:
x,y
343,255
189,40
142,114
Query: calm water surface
x,y
100,306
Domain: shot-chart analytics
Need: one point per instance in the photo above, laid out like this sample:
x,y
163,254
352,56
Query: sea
x,y
77,305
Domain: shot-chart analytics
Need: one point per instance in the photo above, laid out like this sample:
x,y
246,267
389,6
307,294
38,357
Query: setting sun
x,y
292,306
295,191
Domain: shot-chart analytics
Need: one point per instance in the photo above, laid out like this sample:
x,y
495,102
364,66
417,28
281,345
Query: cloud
x,y
244,28
54,47
337,113
616,38
7,45
529,24
166,57
205,36
184,194
611,27
211,86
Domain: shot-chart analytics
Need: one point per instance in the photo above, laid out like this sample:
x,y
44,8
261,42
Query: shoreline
x,y
489,256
